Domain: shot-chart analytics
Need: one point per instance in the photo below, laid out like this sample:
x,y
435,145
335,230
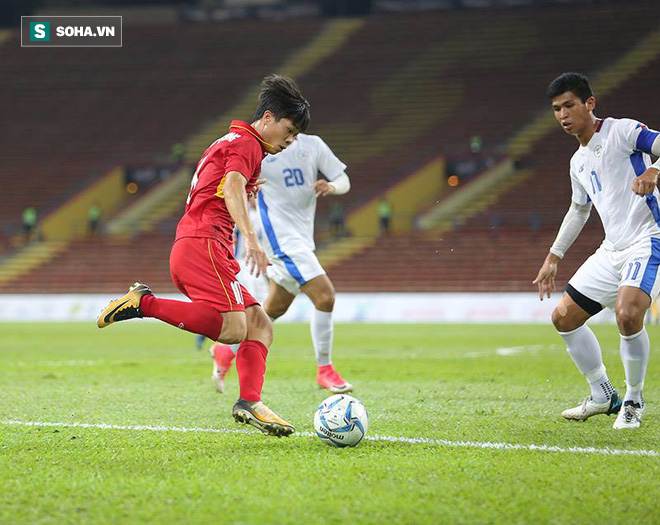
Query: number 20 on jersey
x,y
294,177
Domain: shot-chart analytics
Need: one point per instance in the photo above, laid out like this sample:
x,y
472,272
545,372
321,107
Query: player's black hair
x,y
575,82
282,96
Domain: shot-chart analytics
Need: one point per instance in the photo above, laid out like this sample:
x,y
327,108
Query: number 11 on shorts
x,y
637,266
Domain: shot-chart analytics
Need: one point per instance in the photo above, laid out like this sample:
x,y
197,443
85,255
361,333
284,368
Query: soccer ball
x,y
341,421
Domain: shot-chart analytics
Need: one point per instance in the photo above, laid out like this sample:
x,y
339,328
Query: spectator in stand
x,y
384,215
94,218
336,219
178,152
476,144
29,220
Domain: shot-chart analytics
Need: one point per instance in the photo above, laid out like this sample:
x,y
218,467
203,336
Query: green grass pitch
x,y
484,384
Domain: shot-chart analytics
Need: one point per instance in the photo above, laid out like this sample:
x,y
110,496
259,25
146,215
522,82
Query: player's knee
x,y
561,321
267,337
630,320
234,331
557,320
325,301
260,327
274,311
233,337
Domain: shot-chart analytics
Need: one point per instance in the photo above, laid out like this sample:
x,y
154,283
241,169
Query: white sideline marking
x,y
389,439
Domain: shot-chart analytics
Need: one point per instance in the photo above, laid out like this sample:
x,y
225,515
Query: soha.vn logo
x,y
39,31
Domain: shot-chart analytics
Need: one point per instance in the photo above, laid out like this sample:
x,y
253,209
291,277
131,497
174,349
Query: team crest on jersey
x,y
598,151
302,154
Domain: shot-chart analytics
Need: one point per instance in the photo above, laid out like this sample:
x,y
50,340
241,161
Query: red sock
x,y
223,355
251,368
199,318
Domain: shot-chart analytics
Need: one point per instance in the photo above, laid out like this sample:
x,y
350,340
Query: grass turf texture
x,y
442,382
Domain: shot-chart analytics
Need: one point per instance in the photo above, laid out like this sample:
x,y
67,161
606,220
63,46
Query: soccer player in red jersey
x,y
202,264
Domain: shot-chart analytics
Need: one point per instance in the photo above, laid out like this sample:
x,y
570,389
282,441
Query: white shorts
x,y
294,269
601,275
257,286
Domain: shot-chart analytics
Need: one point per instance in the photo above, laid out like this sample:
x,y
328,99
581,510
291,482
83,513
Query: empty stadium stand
x,y
70,114
403,90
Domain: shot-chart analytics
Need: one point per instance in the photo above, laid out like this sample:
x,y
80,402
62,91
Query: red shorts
x,y
204,270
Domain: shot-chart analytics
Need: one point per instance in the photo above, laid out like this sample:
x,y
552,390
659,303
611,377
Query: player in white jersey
x,y
257,286
287,208
612,171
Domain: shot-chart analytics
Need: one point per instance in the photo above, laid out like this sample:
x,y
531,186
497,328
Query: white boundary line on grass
x,y
389,439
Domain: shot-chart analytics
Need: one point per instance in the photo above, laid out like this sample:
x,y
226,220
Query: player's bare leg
x,y
223,354
569,319
631,306
234,331
234,327
251,367
568,315
322,293
278,301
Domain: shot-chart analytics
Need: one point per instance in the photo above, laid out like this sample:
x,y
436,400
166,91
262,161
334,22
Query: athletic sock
x,y
322,333
601,388
222,357
199,318
251,368
635,356
583,347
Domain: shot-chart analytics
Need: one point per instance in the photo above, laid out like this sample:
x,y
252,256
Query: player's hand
x,y
646,182
545,279
255,257
256,188
323,188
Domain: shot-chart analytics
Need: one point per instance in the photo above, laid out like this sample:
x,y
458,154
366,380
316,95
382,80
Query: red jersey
x,y
206,214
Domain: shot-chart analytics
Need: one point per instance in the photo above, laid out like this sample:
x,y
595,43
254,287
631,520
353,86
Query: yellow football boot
x,y
260,416
126,307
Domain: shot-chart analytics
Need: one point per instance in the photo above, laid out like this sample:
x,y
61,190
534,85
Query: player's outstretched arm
x,y
237,205
339,186
570,228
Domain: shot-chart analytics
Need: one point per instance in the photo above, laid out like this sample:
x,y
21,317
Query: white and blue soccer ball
x,y
341,421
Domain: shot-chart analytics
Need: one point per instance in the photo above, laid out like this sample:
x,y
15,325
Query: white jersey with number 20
x,y
287,201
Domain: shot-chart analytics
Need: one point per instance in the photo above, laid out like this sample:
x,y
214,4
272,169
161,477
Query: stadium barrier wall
x,y
349,308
